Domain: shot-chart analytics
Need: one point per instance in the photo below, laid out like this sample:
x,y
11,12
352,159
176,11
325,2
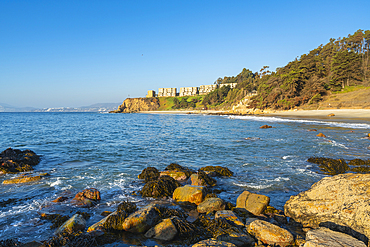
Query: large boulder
x,y
253,203
270,234
141,220
211,204
74,224
189,193
165,231
86,198
341,200
15,160
149,174
323,237
218,170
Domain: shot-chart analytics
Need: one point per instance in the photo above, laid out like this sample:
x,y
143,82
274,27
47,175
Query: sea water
x,y
108,151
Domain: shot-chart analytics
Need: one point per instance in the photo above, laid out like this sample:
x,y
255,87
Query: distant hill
x,y
99,107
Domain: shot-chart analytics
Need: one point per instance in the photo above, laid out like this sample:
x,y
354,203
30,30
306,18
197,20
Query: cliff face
x,y
138,104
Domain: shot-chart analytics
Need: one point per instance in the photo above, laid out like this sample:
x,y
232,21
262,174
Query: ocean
x,y
108,151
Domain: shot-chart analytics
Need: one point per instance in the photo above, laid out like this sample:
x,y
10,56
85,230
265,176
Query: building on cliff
x,y
167,92
188,91
151,93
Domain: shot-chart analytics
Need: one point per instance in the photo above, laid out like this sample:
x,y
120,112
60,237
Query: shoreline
x,y
339,114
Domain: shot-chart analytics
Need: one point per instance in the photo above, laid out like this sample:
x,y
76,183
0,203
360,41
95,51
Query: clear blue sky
x,y
76,53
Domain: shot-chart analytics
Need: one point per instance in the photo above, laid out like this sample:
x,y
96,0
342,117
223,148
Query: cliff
x,y
131,105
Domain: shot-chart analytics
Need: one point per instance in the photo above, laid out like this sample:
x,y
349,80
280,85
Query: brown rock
x,y
141,220
312,130
321,135
322,237
60,199
254,203
86,198
331,115
190,193
25,179
265,126
177,175
210,205
213,242
342,200
230,216
74,224
15,160
270,234
165,231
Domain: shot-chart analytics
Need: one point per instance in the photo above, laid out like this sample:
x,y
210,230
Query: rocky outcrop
x,y
25,179
341,201
131,105
210,205
322,237
15,160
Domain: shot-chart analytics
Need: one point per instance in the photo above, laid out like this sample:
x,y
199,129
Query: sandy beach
x,y
339,114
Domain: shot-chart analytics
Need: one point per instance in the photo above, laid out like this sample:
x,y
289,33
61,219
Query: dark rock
x,y
330,166
149,174
213,243
202,179
141,220
163,187
56,219
219,170
177,167
74,224
60,199
15,160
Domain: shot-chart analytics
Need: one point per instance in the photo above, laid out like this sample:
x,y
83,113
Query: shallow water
x,y
108,151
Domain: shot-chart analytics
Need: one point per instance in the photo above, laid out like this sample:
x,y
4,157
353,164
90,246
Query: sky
x,y
77,53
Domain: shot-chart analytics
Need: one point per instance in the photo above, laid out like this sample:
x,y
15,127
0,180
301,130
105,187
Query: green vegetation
x,y
186,102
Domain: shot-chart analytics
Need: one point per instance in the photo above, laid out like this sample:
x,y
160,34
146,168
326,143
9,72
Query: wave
x,y
304,121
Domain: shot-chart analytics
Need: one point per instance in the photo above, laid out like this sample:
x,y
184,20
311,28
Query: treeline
x,y
330,67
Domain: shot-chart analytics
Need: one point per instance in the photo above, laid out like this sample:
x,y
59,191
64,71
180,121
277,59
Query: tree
x,y
346,66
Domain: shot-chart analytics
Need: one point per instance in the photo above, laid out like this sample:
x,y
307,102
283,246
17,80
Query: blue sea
x,y
108,151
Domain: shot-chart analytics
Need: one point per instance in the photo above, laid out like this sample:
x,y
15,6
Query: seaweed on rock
x,y
217,227
207,179
79,239
149,174
10,242
330,166
219,170
128,207
360,166
165,212
177,167
56,219
189,233
163,187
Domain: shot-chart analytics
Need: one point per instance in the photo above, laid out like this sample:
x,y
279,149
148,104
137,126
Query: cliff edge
x,y
131,105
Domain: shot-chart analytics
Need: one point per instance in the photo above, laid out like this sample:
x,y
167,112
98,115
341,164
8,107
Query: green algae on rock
x,y
74,224
149,174
163,187
15,160
219,170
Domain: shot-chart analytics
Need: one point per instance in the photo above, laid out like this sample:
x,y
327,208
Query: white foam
x,y
285,120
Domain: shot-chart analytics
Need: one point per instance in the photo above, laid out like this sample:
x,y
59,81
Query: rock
x,y
323,237
149,174
265,126
177,167
330,166
113,222
56,219
230,216
190,193
106,213
60,199
213,242
98,226
165,231
341,200
163,187
177,175
74,224
270,234
239,239
25,179
202,179
86,198
312,130
254,203
210,205
141,220
321,135
131,105
219,170
331,115
15,160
